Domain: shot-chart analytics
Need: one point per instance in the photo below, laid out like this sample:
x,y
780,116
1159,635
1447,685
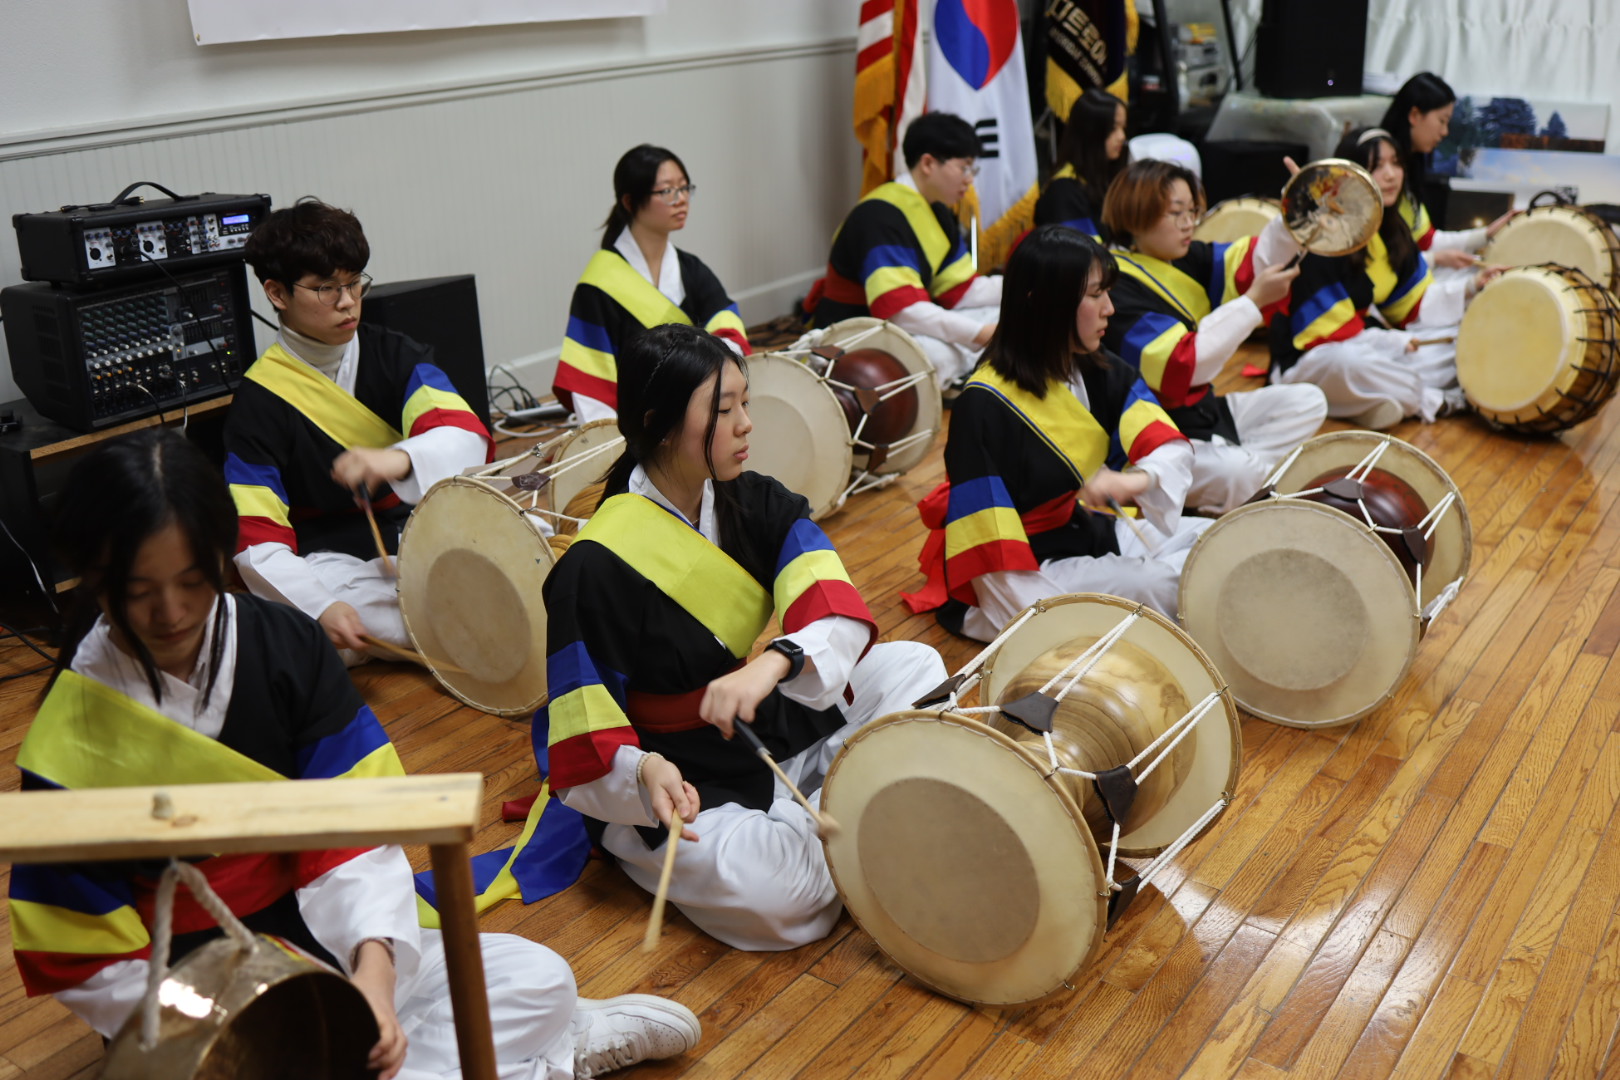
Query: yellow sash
x,y
609,272
1176,287
326,405
1058,420
698,576
920,216
88,735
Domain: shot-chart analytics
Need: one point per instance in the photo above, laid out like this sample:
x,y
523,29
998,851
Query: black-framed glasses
x,y
672,195
328,293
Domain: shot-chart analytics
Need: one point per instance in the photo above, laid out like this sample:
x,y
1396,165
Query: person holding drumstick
x,y
1051,434
172,679
1373,376
638,279
1181,309
652,613
1092,152
335,433
1418,120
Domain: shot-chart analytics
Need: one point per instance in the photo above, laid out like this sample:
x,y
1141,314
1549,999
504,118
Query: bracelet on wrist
x,y
642,765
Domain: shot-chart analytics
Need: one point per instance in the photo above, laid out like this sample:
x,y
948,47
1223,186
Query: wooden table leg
x,y
469,998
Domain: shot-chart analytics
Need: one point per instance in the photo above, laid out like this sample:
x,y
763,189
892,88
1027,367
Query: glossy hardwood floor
x,y
1429,892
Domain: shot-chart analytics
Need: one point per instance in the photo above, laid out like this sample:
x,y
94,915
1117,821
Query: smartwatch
x,y
794,654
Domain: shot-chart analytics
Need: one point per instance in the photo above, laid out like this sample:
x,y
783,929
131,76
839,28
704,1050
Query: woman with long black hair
x,y
166,678
652,613
1051,435
1091,153
638,279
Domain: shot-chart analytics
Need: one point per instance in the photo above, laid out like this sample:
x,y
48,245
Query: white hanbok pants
x,y
758,879
532,1004
1270,422
367,586
1374,367
952,361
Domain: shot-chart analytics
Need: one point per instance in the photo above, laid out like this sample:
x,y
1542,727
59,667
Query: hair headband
x,y
1374,133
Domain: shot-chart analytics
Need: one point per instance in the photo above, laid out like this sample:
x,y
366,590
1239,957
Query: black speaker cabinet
x,y
1308,48
441,313
1233,168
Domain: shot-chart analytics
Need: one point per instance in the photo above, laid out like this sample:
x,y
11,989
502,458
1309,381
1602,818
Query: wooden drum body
x,y
1234,219
1312,613
1566,235
561,479
969,859
471,566
1536,351
901,420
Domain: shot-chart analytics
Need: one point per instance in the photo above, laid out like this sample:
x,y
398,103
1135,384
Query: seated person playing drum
x,y
174,680
900,254
638,279
332,409
1181,309
1372,376
1034,443
1092,152
1418,120
652,611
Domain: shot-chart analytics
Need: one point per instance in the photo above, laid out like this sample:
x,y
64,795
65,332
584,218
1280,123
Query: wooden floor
x,y
1429,892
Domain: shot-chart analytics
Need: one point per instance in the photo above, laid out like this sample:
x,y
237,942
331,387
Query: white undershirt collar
x,y
669,274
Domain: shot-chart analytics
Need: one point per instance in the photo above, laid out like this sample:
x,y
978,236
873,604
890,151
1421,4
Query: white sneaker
x,y
631,1028
1381,417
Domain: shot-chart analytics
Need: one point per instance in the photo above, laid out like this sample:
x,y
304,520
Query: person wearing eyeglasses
x,y
638,280
900,254
1181,309
334,414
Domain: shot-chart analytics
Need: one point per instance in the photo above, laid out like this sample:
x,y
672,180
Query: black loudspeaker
x,y
1308,48
441,313
1247,168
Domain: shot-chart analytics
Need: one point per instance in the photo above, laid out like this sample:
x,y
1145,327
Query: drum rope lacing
x,y
551,471
163,932
1080,667
1363,469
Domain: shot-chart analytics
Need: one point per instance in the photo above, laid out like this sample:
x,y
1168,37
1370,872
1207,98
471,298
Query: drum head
x,y
800,436
967,867
1566,235
866,332
1237,218
1451,548
1306,611
470,570
1218,739
1332,207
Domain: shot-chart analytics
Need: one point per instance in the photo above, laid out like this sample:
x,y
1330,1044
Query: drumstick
x,y
376,533
412,655
825,825
1113,504
655,924
1433,341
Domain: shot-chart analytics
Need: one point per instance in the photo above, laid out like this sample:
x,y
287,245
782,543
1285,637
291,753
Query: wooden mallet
x,y
825,825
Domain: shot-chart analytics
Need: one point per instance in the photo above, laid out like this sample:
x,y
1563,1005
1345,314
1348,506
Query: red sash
x,y
837,288
1043,518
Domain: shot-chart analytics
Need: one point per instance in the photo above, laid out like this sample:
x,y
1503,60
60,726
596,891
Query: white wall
x,y
486,151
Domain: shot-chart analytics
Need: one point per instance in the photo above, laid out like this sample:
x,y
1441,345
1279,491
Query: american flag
x,y
890,84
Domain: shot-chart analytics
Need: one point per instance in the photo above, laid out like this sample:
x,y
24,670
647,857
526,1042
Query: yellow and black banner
x,y
1087,43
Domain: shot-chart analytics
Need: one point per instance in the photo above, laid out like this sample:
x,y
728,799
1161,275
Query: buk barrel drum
x,y
970,847
1234,219
471,565
1311,599
1536,351
561,478
887,398
1566,235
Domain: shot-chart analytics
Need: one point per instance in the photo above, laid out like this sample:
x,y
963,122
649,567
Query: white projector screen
x,y
215,22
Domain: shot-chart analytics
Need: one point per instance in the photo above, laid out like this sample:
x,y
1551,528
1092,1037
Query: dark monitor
x,y
441,313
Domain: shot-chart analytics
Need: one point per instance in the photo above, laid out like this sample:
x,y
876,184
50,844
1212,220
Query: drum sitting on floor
x,y
560,479
471,564
1536,351
799,436
1566,235
970,840
1234,219
1311,599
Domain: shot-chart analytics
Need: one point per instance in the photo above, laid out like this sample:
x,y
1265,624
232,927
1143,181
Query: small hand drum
x,y
969,848
1234,219
471,566
1332,207
1311,599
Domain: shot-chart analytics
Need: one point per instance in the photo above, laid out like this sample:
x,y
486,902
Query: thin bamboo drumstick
x,y
412,655
376,533
1119,511
824,821
655,925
